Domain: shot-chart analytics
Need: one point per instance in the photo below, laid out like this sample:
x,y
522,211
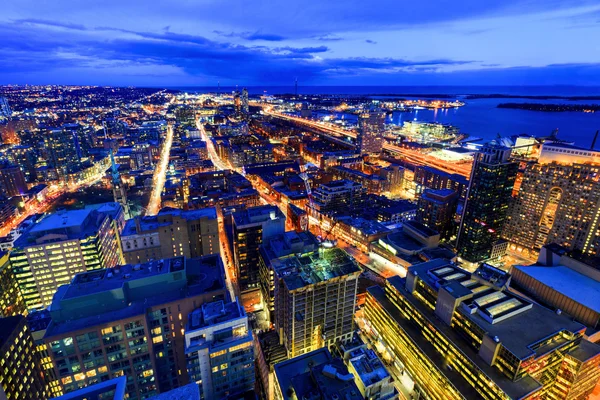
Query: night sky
x,y
319,42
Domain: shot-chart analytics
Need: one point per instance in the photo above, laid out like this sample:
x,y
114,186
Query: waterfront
x,y
479,117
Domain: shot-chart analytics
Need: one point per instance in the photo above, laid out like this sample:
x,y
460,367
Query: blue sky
x,y
319,42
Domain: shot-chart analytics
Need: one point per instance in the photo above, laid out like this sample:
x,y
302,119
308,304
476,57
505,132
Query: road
x,y
212,152
53,194
418,158
160,174
227,257
329,128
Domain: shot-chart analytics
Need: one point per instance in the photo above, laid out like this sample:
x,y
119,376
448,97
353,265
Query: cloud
x,y
370,41
268,37
55,24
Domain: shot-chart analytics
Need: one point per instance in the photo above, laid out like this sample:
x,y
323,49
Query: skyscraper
x,y
251,227
119,190
11,300
558,202
486,207
437,209
53,250
130,320
371,126
315,296
21,376
245,105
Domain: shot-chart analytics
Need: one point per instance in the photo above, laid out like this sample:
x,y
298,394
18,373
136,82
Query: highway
x,y
329,128
418,158
160,174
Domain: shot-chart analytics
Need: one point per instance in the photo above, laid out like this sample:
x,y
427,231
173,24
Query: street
x,y
160,174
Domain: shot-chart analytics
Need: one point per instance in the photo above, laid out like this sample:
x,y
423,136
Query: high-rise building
x,y
118,188
427,177
20,376
338,196
12,181
252,227
220,350
276,247
171,233
558,202
371,127
130,320
65,147
54,249
245,106
5,111
437,209
461,335
11,300
315,296
26,158
486,206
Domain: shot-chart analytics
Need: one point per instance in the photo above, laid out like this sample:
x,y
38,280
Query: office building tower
x,y
38,322
118,188
269,350
276,247
461,335
252,227
486,206
220,350
26,158
559,202
5,111
244,100
12,181
64,148
315,296
371,127
130,320
11,300
338,197
427,177
237,102
171,233
20,375
62,244
436,211
316,375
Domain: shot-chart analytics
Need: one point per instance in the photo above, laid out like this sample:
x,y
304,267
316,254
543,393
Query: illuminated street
x,y
160,176
212,153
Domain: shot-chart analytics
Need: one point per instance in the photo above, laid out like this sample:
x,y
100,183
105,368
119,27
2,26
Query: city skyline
x,y
468,42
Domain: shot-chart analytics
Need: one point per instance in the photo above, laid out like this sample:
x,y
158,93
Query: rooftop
x,y
316,375
214,313
116,387
306,269
100,296
149,223
582,289
187,392
369,367
257,215
73,224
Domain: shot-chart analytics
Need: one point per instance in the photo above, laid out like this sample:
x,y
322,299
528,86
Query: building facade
x,y
11,299
21,376
130,321
437,209
171,233
251,228
63,244
315,296
458,335
371,127
486,206
220,350
558,202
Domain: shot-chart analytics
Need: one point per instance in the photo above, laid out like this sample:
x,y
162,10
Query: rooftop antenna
x,y
594,141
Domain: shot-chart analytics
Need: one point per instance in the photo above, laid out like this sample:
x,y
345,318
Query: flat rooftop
x,y
580,288
149,223
214,313
75,224
258,214
101,296
312,268
369,367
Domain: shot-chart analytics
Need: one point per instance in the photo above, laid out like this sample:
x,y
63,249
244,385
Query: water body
x,y
479,117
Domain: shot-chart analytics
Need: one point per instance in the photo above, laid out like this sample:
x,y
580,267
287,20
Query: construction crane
x,y
325,235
